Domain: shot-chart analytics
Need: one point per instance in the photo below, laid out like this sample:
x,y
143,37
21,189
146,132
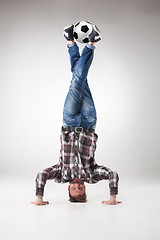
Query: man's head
x,y
77,191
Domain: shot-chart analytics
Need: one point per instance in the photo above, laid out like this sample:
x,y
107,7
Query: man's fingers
x,y
111,203
35,203
105,202
42,203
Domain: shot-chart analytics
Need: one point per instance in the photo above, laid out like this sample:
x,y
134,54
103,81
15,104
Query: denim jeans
x,y
79,108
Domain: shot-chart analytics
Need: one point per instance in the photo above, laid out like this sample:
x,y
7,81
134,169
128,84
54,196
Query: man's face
x,y
76,187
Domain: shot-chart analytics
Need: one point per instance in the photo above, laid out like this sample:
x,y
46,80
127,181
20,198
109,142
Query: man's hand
x,y
39,201
112,200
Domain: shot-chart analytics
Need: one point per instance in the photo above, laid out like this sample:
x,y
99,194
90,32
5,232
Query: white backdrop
x,y
124,80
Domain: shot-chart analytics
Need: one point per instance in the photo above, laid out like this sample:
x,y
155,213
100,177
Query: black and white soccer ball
x,y
82,31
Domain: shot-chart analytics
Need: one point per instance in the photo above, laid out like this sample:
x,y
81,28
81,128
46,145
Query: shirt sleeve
x,y
53,172
104,173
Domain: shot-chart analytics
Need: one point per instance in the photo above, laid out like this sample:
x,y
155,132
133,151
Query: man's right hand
x,y
39,201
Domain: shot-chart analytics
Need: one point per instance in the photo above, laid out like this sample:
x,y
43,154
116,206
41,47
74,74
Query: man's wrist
x,y
113,196
39,196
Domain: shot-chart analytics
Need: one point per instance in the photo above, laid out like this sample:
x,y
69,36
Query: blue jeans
x,y
79,109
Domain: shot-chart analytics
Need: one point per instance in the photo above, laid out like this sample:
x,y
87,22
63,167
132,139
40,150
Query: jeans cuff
x,y
90,46
71,45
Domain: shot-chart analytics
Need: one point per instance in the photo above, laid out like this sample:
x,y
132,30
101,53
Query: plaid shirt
x,y
77,160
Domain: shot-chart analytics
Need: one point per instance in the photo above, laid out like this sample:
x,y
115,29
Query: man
x,y
78,138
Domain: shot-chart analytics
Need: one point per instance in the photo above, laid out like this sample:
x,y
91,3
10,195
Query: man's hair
x,y
79,198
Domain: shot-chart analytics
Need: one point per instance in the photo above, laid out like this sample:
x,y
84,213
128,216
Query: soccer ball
x,y
82,31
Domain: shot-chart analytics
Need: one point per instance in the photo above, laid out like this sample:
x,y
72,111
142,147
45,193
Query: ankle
x,y
70,42
91,43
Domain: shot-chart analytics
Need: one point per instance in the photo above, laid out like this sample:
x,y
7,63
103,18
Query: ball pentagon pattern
x,y
82,30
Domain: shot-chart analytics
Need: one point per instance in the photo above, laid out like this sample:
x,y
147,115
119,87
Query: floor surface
x,y
137,217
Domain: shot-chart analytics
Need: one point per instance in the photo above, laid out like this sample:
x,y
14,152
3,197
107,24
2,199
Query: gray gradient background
x,y
124,80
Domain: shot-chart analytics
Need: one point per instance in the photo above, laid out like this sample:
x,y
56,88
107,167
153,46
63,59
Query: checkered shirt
x,y
77,161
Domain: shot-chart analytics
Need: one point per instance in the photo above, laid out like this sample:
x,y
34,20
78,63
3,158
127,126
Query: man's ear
x,y
68,187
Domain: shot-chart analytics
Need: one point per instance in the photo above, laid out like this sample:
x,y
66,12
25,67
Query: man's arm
x,y
53,172
104,173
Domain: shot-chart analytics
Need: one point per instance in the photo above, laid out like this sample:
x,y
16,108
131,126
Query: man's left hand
x,y
112,200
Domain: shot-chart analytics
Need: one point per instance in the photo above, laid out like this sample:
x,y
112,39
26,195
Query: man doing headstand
x,y
77,163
